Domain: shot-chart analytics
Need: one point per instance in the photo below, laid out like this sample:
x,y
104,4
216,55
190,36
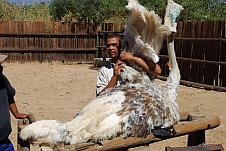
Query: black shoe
x,y
162,133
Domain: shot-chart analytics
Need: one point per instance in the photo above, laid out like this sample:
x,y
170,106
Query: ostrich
x,y
134,108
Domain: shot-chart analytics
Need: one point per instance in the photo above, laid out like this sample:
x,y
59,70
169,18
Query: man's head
x,y
113,46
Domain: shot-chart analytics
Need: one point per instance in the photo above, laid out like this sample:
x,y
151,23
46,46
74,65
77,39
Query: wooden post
x,y
22,145
31,118
21,123
198,137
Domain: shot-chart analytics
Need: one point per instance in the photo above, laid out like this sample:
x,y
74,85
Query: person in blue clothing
x,y
7,103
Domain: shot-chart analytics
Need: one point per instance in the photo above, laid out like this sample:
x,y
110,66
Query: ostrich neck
x,y
174,75
171,52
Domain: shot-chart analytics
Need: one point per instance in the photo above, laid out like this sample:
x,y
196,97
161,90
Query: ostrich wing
x,y
146,26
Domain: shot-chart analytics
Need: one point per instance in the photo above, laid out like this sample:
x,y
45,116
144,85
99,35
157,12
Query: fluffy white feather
x,y
147,26
52,131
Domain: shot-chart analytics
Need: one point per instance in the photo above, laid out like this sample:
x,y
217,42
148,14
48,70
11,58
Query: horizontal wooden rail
x,y
176,38
211,87
183,128
47,50
200,39
101,46
45,34
196,60
107,32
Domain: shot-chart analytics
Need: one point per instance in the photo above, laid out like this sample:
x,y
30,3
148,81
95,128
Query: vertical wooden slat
x,y
62,30
187,54
33,41
15,41
197,53
200,53
213,54
1,31
222,75
193,65
205,34
66,42
59,56
181,47
178,43
39,41
20,41
6,43
209,53
26,39
51,40
216,48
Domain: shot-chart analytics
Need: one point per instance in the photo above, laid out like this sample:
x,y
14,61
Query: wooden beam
x,y
22,145
184,115
198,137
196,60
47,50
194,84
120,143
45,34
183,128
21,123
208,147
200,39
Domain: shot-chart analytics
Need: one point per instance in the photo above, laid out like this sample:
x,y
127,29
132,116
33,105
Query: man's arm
x,y
114,79
113,82
16,114
147,65
14,110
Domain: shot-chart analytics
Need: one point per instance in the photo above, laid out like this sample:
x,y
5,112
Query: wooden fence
x,y
200,47
201,53
52,42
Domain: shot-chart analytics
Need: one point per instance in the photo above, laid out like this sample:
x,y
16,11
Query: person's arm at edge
x,y
14,110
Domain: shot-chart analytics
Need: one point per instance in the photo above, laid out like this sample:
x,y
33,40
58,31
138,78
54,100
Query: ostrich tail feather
x,y
51,132
148,27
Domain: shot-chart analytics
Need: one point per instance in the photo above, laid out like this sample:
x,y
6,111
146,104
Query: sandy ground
x,y
57,91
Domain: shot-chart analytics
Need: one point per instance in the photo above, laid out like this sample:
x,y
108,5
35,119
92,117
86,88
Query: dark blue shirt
x,y
7,93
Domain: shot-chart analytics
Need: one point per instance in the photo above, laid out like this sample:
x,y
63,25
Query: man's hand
x,y
117,68
126,56
20,116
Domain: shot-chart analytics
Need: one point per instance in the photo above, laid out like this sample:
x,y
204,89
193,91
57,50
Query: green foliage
x,y
61,10
36,12
87,11
200,10
90,11
99,11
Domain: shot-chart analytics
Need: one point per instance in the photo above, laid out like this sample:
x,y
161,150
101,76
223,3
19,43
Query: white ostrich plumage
x,y
144,33
134,108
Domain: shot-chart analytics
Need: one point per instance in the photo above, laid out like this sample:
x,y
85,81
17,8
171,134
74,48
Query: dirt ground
x,y
58,91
